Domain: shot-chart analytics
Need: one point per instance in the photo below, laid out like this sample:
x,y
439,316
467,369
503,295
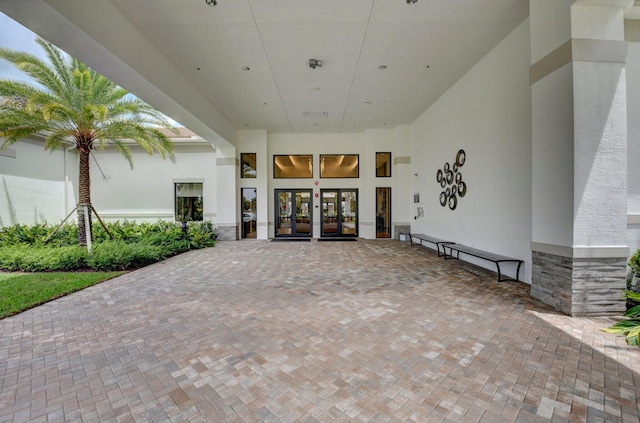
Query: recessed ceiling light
x,y
382,67
264,103
366,103
246,68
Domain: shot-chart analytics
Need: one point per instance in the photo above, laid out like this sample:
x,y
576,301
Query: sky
x,y
16,37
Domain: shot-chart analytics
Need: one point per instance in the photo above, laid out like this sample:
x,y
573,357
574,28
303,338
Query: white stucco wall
x,y
553,158
32,184
552,26
402,198
633,145
146,192
488,114
255,141
600,162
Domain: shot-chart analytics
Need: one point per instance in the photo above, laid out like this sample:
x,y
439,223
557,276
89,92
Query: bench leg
x,y
501,279
499,274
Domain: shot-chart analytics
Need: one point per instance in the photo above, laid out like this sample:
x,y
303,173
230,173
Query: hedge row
x,y
133,246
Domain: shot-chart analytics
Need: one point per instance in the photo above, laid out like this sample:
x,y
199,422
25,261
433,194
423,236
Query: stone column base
x,y
227,233
401,229
579,286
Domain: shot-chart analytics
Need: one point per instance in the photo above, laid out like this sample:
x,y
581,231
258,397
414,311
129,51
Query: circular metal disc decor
x,y
453,202
460,158
462,189
450,180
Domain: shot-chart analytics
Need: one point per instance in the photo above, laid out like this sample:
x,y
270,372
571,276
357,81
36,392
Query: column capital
x,y
623,4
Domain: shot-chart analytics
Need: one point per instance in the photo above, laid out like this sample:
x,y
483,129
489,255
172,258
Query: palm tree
x,y
72,103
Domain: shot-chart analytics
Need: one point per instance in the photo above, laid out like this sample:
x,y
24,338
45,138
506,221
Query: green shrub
x,y
133,245
39,259
634,263
37,234
119,255
630,325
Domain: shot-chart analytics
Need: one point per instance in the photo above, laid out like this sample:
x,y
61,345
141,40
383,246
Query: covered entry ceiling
x,y
245,63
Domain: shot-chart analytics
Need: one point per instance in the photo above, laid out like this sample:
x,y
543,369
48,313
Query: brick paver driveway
x,y
316,331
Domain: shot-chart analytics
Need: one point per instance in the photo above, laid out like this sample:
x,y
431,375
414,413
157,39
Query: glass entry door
x,y
293,213
339,212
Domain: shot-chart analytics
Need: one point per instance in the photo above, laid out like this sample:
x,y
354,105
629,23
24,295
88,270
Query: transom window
x,y
248,162
339,166
383,164
293,166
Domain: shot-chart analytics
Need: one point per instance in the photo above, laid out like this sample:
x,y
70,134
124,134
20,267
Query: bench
x,y
496,258
431,239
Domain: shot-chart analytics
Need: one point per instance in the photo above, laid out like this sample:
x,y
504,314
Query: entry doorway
x,y
293,213
339,212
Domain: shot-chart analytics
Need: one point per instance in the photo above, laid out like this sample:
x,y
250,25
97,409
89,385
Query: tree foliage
x,y
70,103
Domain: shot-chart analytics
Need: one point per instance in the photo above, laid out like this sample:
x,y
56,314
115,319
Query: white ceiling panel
x,y
190,47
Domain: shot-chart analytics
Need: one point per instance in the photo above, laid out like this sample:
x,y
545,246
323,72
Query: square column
x,y
227,220
579,155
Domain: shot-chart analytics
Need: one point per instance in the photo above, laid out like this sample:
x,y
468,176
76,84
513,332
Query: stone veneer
x,y
579,286
227,233
401,229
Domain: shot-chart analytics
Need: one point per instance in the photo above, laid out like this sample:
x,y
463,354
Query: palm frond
x,y
35,67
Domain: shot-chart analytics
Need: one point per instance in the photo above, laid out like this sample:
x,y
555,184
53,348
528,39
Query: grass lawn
x,y
22,291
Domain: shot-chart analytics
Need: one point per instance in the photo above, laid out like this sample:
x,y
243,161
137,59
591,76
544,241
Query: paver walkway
x,y
312,332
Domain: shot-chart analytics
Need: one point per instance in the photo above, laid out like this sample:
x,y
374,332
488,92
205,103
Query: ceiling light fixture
x,y
246,68
214,2
382,67
314,63
412,1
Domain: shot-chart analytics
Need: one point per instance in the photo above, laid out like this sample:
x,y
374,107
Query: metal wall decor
x,y
450,180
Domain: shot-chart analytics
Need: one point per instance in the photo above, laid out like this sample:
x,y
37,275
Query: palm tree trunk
x,y
84,197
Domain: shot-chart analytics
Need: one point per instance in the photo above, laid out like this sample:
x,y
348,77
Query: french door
x,y
293,213
339,212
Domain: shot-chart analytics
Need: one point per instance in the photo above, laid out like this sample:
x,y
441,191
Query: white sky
x,y
16,37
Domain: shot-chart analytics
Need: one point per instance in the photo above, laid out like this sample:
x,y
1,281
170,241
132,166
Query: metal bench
x,y
430,239
486,255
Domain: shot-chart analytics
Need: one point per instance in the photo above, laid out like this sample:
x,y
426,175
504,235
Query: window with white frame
x,y
188,201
